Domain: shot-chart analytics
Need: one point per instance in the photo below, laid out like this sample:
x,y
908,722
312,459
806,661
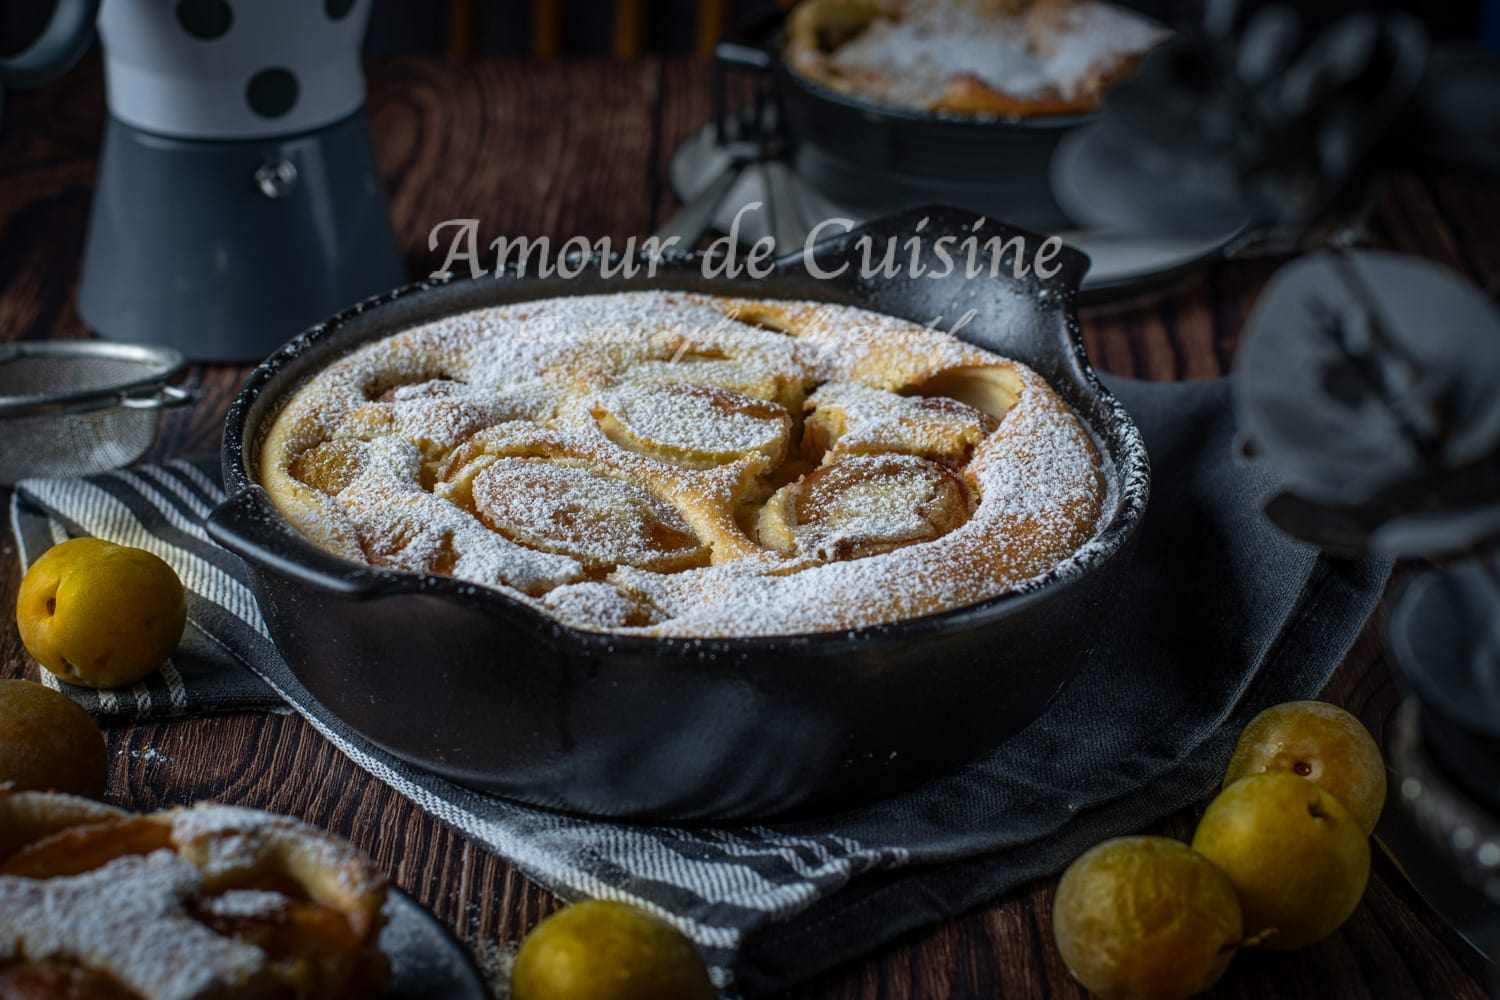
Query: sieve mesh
x,y
84,407
48,375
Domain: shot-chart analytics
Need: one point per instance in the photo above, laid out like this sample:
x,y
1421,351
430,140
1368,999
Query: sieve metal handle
x,y
150,397
161,397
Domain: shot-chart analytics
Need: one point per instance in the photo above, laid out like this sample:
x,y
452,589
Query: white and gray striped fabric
x,y
1224,617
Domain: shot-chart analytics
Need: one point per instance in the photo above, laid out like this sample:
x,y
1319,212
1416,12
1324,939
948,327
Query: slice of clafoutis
x,y
210,902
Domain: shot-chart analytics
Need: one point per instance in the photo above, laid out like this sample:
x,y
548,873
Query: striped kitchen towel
x,y
1223,617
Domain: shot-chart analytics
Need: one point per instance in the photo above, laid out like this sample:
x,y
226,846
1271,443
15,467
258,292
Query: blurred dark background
x,y
631,27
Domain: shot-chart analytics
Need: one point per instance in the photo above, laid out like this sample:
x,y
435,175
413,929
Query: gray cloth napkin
x,y
1223,616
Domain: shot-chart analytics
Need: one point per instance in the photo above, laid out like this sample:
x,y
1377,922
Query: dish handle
x,y
248,525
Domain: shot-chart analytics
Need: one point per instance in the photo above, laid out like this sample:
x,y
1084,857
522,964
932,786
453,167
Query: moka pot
x,y
238,199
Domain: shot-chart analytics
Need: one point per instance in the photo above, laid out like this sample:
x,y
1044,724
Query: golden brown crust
x,y
59,980
26,817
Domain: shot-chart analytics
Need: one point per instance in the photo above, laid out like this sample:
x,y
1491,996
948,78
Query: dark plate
x,y
427,962
1433,634
1125,269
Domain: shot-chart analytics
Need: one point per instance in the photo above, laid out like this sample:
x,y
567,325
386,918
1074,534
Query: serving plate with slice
x,y
427,962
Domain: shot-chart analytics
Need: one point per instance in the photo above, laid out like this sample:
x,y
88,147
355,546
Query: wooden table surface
x,y
568,148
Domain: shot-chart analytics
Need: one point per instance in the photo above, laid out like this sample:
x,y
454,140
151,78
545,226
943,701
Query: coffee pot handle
x,y
61,44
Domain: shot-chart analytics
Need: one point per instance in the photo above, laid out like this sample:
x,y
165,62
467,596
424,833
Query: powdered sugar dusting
x,y
246,903
1040,493
698,420
1048,49
130,918
598,519
228,841
516,476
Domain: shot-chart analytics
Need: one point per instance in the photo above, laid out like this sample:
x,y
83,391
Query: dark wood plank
x,y
1470,208
1408,219
566,148
528,149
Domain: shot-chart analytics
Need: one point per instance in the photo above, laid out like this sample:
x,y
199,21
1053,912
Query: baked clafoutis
x,y
1003,58
208,903
673,464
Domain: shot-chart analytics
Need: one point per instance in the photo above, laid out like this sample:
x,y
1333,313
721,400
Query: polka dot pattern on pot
x,y
205,19
337,10
272,92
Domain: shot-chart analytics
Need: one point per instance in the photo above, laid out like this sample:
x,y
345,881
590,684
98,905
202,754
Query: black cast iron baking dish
x,y
477,687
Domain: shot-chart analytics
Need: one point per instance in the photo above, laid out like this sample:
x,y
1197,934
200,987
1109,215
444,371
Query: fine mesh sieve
x,y
76,407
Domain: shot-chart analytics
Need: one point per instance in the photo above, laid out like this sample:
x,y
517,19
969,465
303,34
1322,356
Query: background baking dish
x,y
874,158
484,690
